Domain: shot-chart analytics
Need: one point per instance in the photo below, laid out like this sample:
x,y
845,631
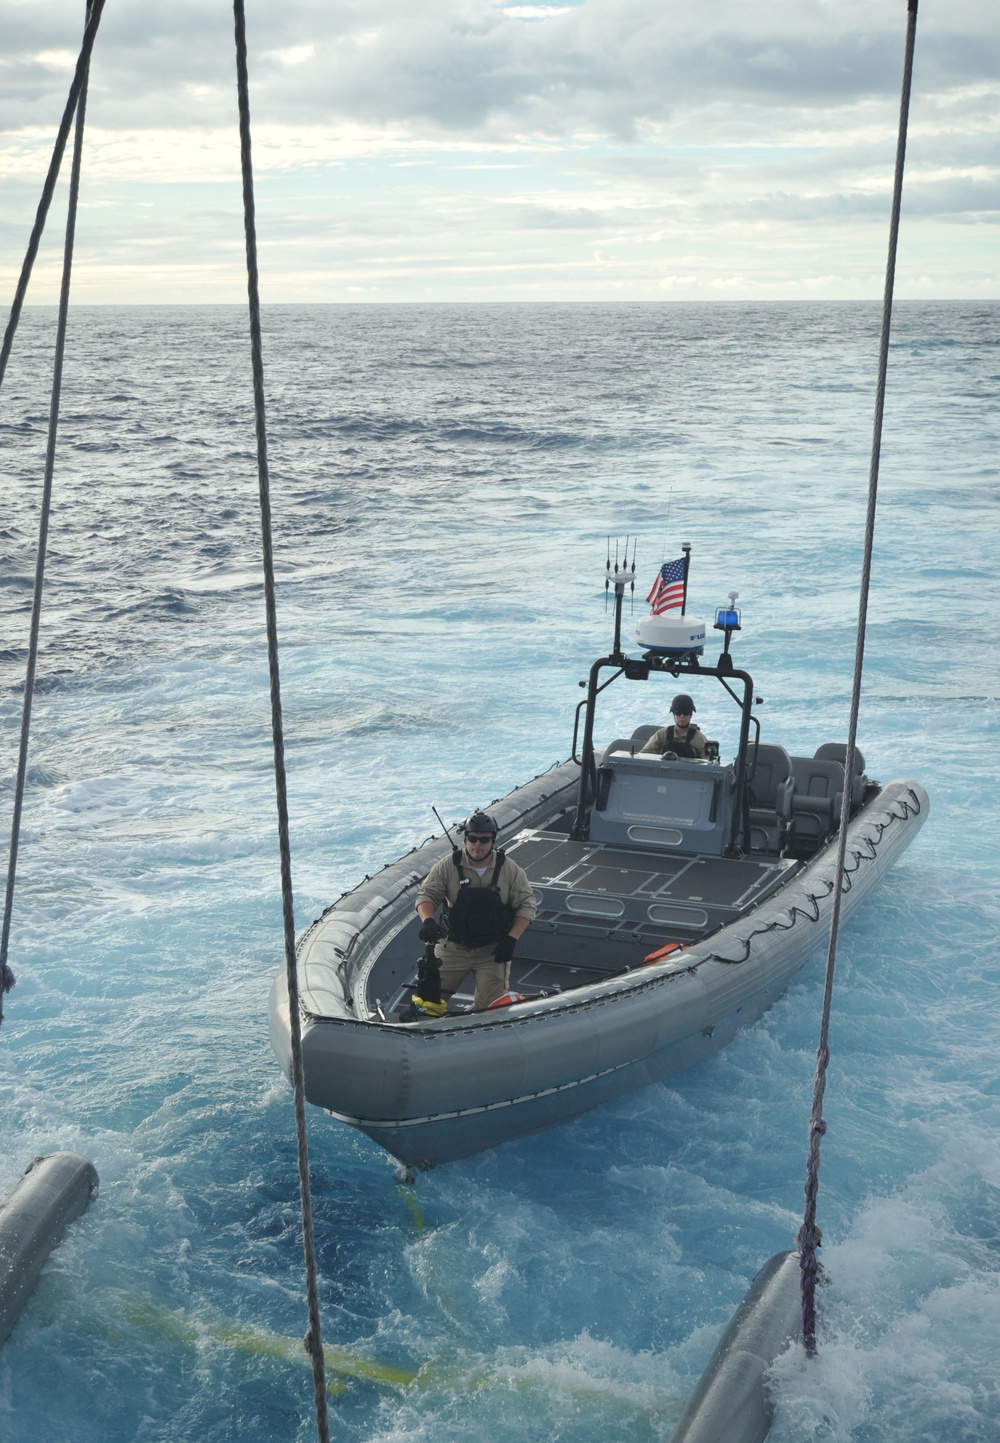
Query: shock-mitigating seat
x,y
837,752
816,801
769,769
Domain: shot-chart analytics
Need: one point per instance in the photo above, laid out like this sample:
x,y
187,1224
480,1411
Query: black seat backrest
x,y
817,778
768,767
621,744
837,752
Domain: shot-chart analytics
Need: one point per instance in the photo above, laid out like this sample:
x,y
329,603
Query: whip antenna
x,y
445,826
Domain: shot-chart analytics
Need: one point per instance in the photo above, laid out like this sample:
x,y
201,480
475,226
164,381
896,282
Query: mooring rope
x,y
95,7
314,1337
808,1237
6,975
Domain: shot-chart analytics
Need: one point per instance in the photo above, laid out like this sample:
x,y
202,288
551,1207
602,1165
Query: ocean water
x,y
444,480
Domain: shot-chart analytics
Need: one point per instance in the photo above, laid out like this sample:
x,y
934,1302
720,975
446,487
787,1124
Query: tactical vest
x,y
681,748
478,916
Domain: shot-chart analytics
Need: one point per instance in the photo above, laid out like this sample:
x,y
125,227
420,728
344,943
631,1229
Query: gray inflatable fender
x,y
54,1190
731,1403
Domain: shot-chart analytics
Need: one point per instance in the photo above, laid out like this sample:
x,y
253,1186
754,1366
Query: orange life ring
x,y
507,999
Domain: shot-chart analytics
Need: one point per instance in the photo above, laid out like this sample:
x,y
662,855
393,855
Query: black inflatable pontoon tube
x,y
731,1403
54,1190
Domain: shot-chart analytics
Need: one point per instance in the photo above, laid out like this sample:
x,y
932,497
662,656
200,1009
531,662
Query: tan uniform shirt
x,y
441,884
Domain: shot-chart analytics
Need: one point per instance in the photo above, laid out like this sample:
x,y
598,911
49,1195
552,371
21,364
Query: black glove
x,y
431,932
504,950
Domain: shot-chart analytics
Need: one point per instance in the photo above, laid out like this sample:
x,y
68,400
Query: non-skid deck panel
x,y
567,866
531,976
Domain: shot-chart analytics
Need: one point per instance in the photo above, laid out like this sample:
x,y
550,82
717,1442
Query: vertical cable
x,y
808,1237
94,9
314,1339
6,977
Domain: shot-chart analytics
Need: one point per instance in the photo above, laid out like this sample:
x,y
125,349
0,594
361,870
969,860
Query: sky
x,y
476,150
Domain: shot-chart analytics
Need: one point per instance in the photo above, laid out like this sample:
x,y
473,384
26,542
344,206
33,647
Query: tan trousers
x,y
492,978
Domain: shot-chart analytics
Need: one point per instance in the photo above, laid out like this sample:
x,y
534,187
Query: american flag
x,y
668,588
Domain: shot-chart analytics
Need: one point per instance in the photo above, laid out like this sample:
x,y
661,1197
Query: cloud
x,y
689,143
483,69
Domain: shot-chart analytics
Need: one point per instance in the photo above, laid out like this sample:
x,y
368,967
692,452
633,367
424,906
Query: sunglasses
x,y
476,840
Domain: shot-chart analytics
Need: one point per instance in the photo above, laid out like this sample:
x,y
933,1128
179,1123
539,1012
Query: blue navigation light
x,y
727,618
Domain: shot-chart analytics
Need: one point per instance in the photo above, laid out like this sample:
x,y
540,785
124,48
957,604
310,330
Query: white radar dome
x,y
672,635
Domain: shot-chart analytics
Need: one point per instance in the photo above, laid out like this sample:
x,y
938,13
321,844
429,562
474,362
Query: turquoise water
x,y
444,481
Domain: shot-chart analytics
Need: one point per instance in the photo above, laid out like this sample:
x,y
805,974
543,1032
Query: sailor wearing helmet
x,y
487,905
683,738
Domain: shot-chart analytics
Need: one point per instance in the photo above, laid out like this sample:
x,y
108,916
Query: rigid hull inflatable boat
x,y
676,899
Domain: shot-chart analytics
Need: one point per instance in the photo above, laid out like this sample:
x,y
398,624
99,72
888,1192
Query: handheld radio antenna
x,y
444,824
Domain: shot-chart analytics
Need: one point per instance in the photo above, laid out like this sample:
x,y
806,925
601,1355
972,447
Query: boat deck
x,y
602,909
553,861
633,896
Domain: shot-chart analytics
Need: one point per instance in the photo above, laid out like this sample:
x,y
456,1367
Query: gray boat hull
x,y
436,1091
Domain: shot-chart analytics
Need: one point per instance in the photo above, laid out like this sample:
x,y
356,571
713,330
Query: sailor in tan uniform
x,y
684,738
487,905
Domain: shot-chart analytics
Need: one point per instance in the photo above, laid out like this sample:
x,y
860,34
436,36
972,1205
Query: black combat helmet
x,y
480,822
682,703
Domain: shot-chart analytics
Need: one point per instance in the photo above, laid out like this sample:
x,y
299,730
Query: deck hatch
x,y
544,858
588,906
619,881
677,916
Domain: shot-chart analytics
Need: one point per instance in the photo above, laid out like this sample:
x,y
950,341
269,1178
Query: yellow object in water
x,y
446,1371
410,1199
341,1363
